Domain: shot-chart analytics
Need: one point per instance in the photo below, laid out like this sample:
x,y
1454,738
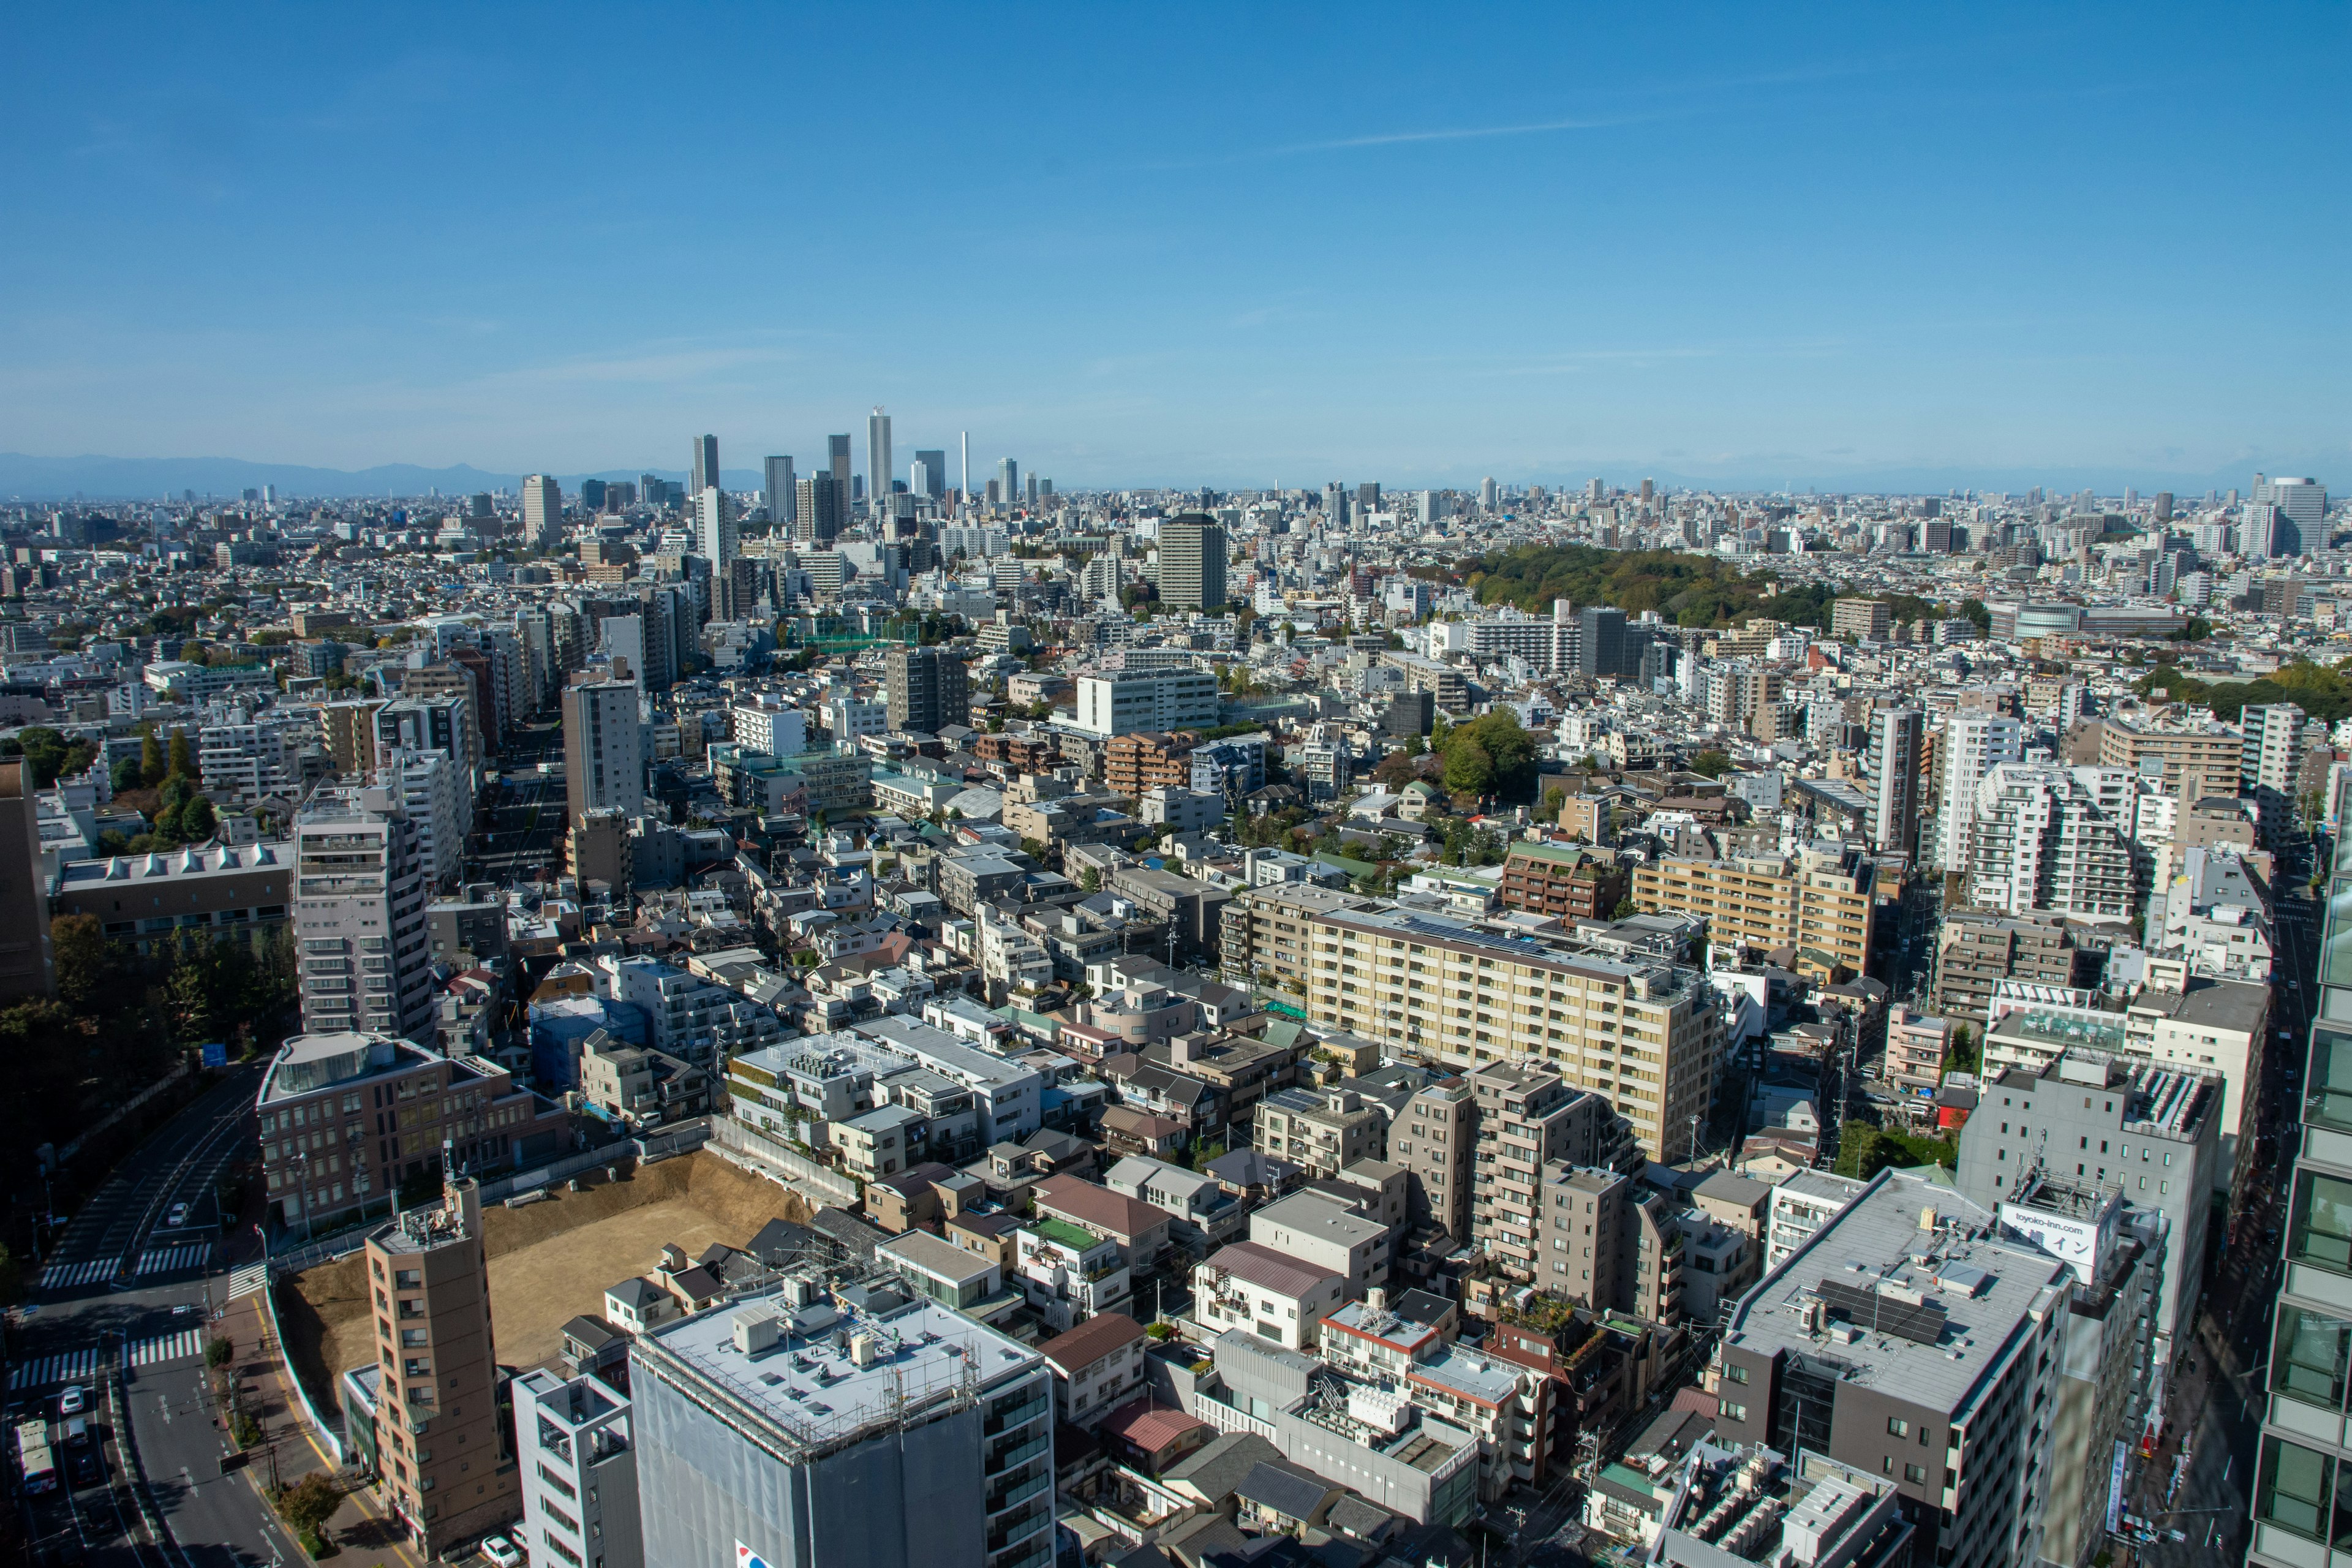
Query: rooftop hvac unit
x,y
865,1350
755,1328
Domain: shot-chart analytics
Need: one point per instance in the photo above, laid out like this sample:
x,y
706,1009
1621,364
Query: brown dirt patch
x,y
549,1262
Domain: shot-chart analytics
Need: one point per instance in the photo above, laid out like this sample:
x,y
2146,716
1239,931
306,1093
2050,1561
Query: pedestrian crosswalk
x,y
167,1259
167,1347
247,1279
42,1371
64,1276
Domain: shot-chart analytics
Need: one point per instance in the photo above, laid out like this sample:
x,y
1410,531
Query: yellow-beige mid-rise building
x,y
1643,1035
1816,902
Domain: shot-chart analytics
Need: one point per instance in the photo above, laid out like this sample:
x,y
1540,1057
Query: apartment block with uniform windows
x,y
439,1447
1644,1036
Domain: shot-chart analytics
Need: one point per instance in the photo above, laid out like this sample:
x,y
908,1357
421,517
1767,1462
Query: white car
x,y
178,1216
72,1402
497,1549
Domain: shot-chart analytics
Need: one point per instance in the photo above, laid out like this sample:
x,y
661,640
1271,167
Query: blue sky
x,y
1186,244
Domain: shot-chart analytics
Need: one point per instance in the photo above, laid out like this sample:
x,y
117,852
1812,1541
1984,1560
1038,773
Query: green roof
x,y
1062,1233
1635,1479
1572,853
1284,1033
1353,868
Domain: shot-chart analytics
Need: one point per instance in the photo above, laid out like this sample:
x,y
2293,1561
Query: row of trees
x,y
121,1021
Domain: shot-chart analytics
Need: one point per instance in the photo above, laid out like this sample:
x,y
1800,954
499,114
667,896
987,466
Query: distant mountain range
x,y
25,477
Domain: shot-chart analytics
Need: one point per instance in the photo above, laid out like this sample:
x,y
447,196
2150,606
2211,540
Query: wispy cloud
x,y
1408,138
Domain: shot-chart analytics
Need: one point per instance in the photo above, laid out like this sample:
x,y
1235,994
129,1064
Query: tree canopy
x,y
1490,755
2322,691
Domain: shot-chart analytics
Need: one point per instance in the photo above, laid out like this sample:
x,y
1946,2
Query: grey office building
x,y
705,475
927,688
1008,480
877,458
844,488
2151,1131
783,495
857,1431
1903,1338
934,463
1606,645
1193,563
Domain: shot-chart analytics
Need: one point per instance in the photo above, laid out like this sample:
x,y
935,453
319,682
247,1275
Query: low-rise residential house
x,y
1259,1291
1202,1215
1097,1367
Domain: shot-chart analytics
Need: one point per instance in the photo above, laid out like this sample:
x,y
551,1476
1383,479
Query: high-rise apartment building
x,y
714,529
802,1428
445,1470
433,791
2198,759
879,467
2051,840
783,495
359,917
817,518
2269,766
925,688
603,749
1528,1118
542,512
1642,1034
1895,734
1969,746
705,466
1193,563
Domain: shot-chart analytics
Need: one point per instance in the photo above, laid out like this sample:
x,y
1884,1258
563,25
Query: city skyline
x,y
1846,250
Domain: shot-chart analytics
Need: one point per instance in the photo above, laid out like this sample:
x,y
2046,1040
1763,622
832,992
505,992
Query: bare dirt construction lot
x,y
549,1262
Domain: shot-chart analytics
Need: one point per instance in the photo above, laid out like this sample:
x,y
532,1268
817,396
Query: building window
x,y
1916,1474
2322,1222
1735,1412
1897,1427
2291,1489
2311,1356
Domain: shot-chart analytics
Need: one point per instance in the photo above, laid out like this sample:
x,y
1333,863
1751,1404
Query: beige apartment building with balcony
x,y
1643,1035
1323,1130
1816,903
1529,1119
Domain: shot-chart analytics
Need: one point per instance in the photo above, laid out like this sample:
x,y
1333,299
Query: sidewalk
x,y
368,1537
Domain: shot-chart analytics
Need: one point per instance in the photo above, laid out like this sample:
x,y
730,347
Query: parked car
x,y
497,1549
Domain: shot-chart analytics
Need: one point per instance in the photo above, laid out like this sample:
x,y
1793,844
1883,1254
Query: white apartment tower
x,y
359,915
714,529
1973,745
432,792
2051,840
